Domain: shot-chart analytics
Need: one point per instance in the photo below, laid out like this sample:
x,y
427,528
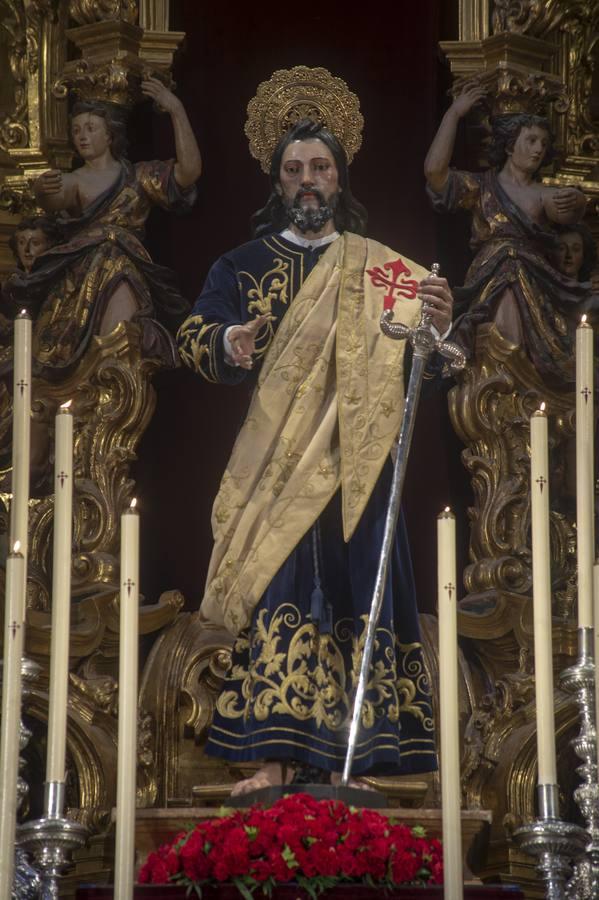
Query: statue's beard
x,y
310,218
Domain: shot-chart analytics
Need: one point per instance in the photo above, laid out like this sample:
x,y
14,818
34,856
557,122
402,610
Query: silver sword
x,y
423,342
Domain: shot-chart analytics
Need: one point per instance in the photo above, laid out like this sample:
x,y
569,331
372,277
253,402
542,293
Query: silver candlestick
x,y
51,839
555,844
580,681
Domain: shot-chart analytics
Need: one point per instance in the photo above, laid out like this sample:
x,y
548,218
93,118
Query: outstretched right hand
x,y
49,182
242,339
471,94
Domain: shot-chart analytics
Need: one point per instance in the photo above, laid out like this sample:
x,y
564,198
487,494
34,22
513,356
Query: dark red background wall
x,y
387,53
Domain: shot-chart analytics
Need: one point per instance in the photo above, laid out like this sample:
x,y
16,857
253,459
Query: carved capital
x,y
84,12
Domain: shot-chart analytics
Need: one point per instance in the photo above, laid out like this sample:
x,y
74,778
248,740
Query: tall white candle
x,y
127,731
14,627
21,432
585,493
61,597
541,590
449,707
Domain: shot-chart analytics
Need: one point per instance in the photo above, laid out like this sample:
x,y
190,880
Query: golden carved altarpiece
x,y
536,46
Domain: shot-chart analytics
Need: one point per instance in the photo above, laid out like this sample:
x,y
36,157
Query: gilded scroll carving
x,y
574,24
113,403
181,681
14,130
85,12
490,409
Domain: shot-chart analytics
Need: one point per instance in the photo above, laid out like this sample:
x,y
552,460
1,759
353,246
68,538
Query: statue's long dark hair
x,y
505,131
349,214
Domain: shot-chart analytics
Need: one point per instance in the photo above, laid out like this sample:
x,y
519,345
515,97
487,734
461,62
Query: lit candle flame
x,y
66,405
133,503
23,312
583,319
16,547
542,407
447,509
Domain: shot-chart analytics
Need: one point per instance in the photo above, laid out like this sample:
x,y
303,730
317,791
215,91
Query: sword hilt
x,y
426,317
421,337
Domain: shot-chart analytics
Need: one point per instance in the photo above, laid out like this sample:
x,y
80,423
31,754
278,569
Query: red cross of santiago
x,y
394,281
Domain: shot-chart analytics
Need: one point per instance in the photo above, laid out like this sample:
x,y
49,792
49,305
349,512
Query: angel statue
x,y
514,279
98,273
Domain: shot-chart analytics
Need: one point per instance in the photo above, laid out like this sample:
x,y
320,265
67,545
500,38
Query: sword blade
x,y
399,471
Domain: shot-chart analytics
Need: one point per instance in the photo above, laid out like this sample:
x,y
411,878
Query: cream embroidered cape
x,y
327,407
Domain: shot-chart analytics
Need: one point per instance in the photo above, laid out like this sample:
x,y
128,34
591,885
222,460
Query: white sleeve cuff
x,y
227,347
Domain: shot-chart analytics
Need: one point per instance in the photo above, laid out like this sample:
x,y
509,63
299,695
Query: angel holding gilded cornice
x,y
513,279
100,273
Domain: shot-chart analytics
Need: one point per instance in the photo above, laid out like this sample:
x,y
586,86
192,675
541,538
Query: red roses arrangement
x,y
317,844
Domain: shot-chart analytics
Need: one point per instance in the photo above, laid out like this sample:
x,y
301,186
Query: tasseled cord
x,y
321,611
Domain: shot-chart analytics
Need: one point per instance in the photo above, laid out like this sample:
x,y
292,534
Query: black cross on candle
x,y
450,588
22,384
129,584
62,476
541,481
14,628
586,393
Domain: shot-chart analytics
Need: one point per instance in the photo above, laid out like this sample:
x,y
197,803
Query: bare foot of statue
x,y
358,783
269,775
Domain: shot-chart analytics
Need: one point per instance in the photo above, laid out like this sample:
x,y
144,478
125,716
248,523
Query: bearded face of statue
x,y
90,136
309,184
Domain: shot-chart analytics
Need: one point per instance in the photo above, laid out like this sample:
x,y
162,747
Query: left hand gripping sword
x,y
423,343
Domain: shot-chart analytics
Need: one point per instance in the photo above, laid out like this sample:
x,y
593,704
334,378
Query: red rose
x,y
279,868
404,867
221,871
324,859
172,862
260,870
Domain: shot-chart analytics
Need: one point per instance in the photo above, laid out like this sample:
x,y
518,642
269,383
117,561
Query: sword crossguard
x,y
422,339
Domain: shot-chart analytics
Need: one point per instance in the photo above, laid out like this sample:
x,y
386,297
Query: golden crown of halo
x,y
291,95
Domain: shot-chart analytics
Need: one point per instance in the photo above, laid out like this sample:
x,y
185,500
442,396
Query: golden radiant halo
x,y
302,93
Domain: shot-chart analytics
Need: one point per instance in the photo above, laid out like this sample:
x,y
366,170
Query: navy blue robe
x,y
290,689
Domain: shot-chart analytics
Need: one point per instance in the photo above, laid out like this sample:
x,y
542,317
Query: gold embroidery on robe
x,y
310,679
197,355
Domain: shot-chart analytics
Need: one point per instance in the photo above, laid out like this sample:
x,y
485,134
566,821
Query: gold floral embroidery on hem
x,y
309,680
